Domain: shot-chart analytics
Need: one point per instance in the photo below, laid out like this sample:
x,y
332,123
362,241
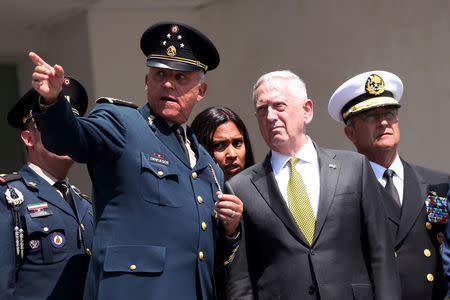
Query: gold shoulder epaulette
x,y
116,101
80,194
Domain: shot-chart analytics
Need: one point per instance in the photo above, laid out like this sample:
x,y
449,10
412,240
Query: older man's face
x,y
375,130
282,116
173,94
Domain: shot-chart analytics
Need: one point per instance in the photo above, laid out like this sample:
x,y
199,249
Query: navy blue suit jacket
x,y
156,228
417,241
49,270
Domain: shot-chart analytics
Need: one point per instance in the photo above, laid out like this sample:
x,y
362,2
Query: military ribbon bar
x,y
437,209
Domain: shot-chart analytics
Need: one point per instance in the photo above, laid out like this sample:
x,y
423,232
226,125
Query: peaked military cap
x,y
365,91
177,46
73,91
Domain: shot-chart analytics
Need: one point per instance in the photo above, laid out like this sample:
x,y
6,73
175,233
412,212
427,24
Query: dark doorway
x,y
11,149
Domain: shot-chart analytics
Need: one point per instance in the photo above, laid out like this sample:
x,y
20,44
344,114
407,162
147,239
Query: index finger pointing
x,y
38,61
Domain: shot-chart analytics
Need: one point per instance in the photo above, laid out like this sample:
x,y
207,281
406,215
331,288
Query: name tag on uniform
x,y
158,158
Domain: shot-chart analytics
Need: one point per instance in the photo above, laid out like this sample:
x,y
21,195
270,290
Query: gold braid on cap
x,y
374,102
179,59
27,117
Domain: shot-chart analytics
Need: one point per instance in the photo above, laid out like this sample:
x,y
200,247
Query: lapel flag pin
x,y
333,166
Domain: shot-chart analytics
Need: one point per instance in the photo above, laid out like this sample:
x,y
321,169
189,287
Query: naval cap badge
x,y
375,85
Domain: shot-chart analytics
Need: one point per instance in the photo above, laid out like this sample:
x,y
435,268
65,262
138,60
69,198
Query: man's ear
x,y
27,138
202,91
308,111
350,133
146,85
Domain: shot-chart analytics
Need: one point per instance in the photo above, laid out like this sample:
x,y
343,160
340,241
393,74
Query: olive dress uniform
x,y
156,228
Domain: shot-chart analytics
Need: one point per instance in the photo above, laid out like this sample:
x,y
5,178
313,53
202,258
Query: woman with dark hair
x,y
224,136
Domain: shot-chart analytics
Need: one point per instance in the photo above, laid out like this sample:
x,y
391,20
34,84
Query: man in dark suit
x,y
160,224
368,105
45,233
314,227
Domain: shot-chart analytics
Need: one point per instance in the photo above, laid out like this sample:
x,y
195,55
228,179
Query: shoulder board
x,y
5,178
80,194
116,101
86,197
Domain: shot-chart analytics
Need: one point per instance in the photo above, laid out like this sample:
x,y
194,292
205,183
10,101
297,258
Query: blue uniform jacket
x,y
156,233
55,260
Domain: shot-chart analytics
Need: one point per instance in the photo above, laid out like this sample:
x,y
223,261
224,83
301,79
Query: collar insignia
x,y
151,119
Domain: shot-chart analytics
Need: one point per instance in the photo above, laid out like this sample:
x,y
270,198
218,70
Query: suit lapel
x,y
392,210
414,193
267,186
163,133
80,205
44,190
329,173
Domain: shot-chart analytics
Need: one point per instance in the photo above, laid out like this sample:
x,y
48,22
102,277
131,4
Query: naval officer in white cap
x,y
368,105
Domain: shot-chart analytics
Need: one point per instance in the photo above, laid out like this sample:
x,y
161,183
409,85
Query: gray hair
x,y
296,85
201,77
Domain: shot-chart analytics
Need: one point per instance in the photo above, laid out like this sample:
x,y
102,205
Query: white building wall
x,y
325,42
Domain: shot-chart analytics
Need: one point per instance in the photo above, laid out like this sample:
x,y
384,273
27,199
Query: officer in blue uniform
x,y
45,235
161,230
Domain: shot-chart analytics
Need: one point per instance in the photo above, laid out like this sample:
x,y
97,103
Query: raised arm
x,y
46,80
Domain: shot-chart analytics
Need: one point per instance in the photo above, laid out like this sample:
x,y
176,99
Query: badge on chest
x,y
38,210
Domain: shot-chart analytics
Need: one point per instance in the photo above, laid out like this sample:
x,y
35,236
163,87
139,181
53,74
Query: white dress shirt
x,y
307,166
398,177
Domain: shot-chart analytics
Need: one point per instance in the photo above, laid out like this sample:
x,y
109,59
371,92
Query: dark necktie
x,y
390,187
179,133
65,191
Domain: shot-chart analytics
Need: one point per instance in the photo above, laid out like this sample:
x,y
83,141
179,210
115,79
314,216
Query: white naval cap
x,y
363,92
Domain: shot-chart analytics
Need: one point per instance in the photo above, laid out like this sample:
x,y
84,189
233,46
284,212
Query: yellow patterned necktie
x,y
299,204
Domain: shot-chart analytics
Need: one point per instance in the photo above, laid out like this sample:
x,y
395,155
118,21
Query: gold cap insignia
x,y
374,85
171,51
